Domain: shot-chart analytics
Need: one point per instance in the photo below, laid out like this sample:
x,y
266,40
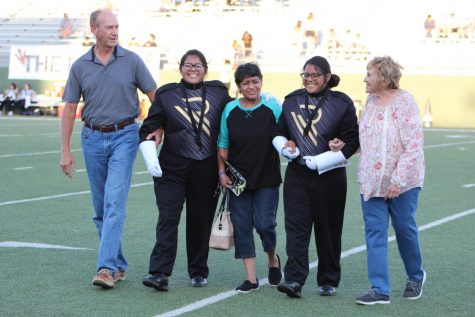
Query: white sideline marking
x,y
20,201
457,136
448,130
447,144
468,185
34,153
23,168
224,295
15,244
49,135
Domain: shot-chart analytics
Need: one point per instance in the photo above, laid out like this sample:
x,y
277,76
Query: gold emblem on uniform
x,y
196,114
300,122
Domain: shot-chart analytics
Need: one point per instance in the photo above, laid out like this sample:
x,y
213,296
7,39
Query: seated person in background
x,y
87,41
133,42
8,103
151,41
26,96
66,27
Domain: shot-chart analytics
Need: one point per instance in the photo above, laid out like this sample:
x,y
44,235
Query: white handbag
x,y
222,230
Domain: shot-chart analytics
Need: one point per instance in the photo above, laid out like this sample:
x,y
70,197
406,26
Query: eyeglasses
x,y
188,66
313,75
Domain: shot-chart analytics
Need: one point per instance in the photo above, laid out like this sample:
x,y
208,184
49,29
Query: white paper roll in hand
x,y
149,153
286,153
279,143
311,162
326,161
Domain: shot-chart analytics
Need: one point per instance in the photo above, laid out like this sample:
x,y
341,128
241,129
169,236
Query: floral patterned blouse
x,y
391,145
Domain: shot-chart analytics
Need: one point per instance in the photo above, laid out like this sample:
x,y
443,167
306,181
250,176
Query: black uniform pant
x,y
194,181
319,201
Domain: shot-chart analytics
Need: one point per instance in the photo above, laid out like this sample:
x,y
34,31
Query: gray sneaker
x,y
414,288
372,297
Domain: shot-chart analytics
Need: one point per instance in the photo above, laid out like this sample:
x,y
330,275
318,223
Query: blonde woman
x,y
391,175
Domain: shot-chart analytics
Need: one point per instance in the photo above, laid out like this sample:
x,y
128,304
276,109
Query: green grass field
x,y
38,204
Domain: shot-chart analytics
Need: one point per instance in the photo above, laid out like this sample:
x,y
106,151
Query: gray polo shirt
x,y
109,91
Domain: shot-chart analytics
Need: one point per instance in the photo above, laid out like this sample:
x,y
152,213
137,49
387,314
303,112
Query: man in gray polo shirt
x,y
107,77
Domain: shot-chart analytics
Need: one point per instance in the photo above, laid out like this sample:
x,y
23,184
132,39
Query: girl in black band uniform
x,y
315,180
189,113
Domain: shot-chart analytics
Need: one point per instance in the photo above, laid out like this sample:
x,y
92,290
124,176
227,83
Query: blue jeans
x,y
109,159
376,212
254,208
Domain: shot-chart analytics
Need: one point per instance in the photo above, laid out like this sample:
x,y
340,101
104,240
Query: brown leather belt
x,y
110,128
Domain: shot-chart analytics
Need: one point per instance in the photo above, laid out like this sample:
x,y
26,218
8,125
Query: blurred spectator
x,y
9,97
429,25
333,45
348,44
453,25
87,41
298,38
66,27
238,57
27,95
133,42
359,48
310,31
247,41
151,41
226,73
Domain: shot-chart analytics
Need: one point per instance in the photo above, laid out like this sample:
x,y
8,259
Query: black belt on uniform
x,y
110,128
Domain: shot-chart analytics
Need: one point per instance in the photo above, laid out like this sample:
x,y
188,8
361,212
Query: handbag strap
x,y
224,201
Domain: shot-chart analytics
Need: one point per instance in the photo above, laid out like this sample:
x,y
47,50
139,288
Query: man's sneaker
x,y
247,286
414,288
104,279
372,297
120,275
198,281
327,290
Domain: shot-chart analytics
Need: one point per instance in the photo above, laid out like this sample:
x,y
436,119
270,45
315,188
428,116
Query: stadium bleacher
x,y
213,26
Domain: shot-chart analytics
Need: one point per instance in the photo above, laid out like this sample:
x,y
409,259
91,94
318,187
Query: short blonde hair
x,y
386,69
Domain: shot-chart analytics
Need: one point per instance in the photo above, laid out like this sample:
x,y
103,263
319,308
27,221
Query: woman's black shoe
x,y
275,274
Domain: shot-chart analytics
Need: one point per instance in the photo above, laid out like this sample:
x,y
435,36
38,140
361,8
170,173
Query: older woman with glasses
x,y
189,112
315,179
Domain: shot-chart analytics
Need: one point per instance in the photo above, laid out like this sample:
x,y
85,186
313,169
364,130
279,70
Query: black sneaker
x,y
275,274
372,297
198,281
291,288
247,286
414,288
327,290
157,281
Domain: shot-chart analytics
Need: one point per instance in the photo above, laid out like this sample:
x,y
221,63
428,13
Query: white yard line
x,y
224,295
23,168
447,144
22,201
16,244
34,153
